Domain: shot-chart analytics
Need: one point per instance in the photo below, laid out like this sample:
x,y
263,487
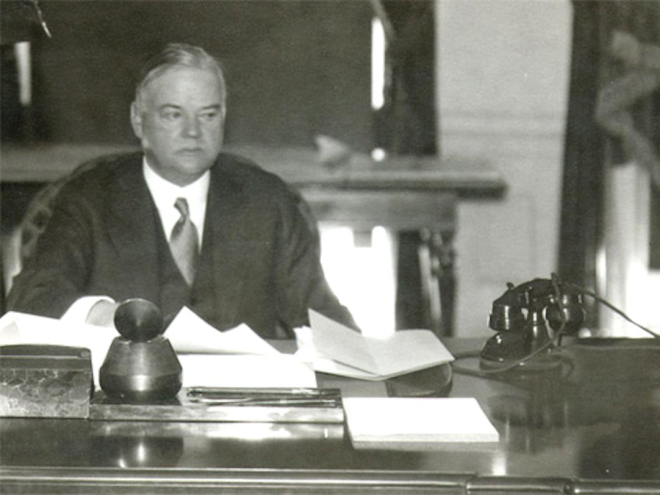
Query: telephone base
x,y
541,363
505,349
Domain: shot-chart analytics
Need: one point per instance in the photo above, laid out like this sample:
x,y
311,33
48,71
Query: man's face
x,y
180,122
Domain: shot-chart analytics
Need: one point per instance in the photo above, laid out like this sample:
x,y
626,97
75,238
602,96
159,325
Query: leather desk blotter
x,y
45,381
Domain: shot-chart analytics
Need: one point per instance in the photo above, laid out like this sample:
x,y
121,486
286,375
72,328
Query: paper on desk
x,y
23,328
245,371
339,350
235,358
307,353
323,365
188,333
416,422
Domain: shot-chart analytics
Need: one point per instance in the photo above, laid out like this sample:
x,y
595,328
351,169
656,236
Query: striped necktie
x,y
184,242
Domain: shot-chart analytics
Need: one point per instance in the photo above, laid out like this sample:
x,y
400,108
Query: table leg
x,y
436,262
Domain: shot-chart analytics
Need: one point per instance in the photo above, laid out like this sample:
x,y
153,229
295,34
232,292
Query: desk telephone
x,y
519,317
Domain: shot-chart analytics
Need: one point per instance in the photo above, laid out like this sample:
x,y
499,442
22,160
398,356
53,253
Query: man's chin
x,y
193,163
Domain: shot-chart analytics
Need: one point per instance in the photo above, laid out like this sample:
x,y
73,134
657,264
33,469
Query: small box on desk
x,y
45,381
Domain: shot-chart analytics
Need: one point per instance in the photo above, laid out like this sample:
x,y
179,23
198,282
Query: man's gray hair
x,y
179,54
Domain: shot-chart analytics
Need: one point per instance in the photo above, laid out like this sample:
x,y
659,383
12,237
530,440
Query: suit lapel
x,y
133,228
226,240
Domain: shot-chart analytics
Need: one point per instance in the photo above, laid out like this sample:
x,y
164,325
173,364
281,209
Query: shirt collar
x,y
165,194
193,191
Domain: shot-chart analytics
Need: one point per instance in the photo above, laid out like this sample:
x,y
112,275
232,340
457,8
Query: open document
x,y
336,349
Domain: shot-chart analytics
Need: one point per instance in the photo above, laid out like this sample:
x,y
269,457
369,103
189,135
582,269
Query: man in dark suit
x,y
181,224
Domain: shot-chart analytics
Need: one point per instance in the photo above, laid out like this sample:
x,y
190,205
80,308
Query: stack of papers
x,y
410,423
236,358
336,349
245,371
190,334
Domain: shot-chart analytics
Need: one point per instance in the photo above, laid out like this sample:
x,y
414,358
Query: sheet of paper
x,y
335,341
407,350
374,422
188,333
307,353
23,328
323,365
402,352
245,371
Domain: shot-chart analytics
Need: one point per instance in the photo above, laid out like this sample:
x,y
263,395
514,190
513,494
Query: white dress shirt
x,y
164,194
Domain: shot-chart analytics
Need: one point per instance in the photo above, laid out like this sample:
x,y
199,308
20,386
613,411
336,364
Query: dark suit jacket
x,y
262,266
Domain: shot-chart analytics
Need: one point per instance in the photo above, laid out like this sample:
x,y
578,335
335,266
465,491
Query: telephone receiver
x,y
521,317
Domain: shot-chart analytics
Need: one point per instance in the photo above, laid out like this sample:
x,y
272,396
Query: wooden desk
x,y
593,428
402,194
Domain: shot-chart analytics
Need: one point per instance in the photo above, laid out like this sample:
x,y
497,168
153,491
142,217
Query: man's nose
x,y
191,127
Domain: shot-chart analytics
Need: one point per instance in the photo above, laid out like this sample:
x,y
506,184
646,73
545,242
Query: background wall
x,y
503,85
295,68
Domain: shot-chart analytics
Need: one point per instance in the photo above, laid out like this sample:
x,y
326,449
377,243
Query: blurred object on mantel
x,y
301,167
332,152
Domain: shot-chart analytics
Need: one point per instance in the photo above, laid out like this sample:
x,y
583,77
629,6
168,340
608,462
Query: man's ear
x,y
136,119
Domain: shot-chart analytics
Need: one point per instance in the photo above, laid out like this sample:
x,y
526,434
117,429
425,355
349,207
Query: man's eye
x,y
171,115
209,116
